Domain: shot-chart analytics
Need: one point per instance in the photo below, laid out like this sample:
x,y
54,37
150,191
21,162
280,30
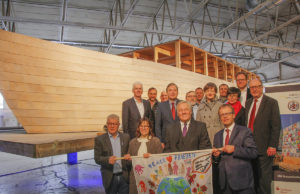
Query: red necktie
x,y
252,116
227,137
173,110
184,129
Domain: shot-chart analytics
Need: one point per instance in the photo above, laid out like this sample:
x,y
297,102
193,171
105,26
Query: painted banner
x,y
288,97
180,172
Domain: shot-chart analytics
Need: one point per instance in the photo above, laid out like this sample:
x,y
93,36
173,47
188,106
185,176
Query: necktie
x,y
227,137
173,111
184,130
252,116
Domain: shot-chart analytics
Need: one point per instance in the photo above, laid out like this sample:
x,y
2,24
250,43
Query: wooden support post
x,y
225,71
136,55
216,67
177,54
205,64
193,60
155,54
233,73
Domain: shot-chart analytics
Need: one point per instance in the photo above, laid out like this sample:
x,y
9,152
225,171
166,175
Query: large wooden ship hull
x,y
54,88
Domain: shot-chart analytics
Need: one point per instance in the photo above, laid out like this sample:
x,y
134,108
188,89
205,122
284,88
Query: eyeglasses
x,y
226,114
144,127
239,80
255,87
113,124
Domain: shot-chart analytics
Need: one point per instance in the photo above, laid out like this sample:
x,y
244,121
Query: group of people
x,y
241,126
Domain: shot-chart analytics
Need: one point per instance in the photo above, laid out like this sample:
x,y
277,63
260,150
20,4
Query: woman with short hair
x,y
233,98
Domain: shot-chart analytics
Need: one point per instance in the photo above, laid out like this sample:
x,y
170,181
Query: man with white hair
x,y
134,109
186,134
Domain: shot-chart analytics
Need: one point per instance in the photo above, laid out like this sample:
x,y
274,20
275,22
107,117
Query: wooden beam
x,y
225,71
216,67
163,51
177,54
193,60
44,145
205,70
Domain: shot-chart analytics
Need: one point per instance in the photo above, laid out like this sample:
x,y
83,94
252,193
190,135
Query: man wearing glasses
x,y
233,150
241,82
263,118
108,148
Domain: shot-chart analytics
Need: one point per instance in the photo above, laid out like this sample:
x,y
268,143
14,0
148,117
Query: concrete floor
x,y
24,175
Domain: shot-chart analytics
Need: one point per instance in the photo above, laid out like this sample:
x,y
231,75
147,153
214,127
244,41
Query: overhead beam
x,y
133,4
99,26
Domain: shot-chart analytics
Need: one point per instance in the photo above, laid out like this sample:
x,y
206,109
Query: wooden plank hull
x,y
53,88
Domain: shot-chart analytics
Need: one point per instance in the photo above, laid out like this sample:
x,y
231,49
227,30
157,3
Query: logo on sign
x,y
293,105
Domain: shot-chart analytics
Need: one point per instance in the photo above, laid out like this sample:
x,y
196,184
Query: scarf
x,y
143,148
236,106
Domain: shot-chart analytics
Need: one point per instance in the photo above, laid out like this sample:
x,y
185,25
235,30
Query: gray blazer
x,y
163,119
153,147
102,152
131,116
235,169
195,139
267,124
209,114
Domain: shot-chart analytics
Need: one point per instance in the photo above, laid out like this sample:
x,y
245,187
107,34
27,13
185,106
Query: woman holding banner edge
x,y
143,144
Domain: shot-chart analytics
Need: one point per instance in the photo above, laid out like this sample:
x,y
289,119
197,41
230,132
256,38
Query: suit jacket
x,y
240,118
102,152
131,115
248,96
266,125
196,138
163,119
236,168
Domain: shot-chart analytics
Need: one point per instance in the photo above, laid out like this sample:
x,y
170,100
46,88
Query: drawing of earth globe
x,y
174,184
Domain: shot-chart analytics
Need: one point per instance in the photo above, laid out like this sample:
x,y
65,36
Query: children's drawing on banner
x,y
174,173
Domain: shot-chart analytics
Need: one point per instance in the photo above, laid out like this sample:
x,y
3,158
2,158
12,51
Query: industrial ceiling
x,y
261,36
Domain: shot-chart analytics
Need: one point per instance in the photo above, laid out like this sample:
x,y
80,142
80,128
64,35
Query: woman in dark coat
x,y
233,97
143,144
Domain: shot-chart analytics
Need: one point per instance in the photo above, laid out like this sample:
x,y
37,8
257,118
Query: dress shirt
x,y
140,106
170,103
195,109
225,133
257,107
187,126
243,97
116,147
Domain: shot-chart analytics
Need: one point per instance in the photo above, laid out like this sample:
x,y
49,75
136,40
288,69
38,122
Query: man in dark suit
x,y
263,118
134,109
109,146
152,94
241,82
166,112
236,149
186,134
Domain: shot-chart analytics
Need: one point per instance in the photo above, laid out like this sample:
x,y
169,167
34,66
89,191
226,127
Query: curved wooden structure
x,y
55,88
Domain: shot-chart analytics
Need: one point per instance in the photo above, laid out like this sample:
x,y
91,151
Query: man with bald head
x,y
263,118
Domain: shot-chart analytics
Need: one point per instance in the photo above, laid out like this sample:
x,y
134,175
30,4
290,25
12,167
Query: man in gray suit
x,y
166,112
263,118
134,109
236,150
186,134
109,146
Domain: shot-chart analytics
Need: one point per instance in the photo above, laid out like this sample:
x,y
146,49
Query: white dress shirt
x,y
140,106
257,107
187,126
243,97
